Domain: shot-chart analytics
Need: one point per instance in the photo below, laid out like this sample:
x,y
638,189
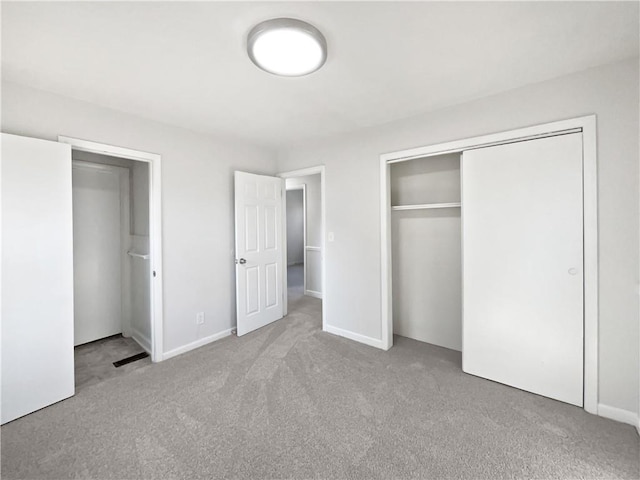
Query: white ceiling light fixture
x,y
287,47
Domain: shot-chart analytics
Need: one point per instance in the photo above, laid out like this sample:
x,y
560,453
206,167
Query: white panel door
x,y
37,275
97,251
259,250
523,265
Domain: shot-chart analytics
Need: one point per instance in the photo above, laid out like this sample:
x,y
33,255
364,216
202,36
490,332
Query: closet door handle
x,y
242,261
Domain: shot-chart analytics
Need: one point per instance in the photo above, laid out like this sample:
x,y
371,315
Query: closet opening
x,y
117,200
489,246
112,280
426,250
304,235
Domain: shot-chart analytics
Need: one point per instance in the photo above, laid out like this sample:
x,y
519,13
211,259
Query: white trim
x,y
313,293
285,261
573,125
155,227
109,150
320,169
302,172
198,343
304,236
141,340
313,249
618,414
587,125
372,342
386,312
591,273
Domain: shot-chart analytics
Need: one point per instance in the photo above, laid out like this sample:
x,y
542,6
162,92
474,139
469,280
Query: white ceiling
x,y
185,63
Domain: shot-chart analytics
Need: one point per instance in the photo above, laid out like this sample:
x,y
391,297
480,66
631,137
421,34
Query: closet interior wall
x,y
426,250
136,294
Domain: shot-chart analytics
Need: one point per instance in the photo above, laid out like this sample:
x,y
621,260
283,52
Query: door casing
x,y
319,169
155,227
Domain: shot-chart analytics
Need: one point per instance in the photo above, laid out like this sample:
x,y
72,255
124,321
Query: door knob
x,y
242,261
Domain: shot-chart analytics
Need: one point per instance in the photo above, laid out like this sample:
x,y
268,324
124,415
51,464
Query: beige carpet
x,y
94,361
290,401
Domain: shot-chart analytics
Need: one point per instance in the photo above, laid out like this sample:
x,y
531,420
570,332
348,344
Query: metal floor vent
x,y
133,358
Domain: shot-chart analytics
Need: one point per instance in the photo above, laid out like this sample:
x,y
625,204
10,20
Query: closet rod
x,y
138,255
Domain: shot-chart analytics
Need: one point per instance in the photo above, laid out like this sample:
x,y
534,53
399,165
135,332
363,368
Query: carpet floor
x,y
295,280
94,361
290,401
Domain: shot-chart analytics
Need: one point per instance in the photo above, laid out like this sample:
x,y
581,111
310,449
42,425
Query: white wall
x,y
314,229
352,187
100,201
136,285
427,252
138,183
140,199
197,202
295,227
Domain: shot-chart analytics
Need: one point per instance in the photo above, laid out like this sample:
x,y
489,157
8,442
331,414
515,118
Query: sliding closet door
x,y
523,265
37,275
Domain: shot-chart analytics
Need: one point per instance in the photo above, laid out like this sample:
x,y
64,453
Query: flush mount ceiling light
x,y
287,47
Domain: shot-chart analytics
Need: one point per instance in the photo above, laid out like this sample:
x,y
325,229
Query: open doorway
x,y
296,239
112,320
117,289
304,280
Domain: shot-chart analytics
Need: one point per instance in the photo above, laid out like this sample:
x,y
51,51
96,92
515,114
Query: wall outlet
x,y
200,318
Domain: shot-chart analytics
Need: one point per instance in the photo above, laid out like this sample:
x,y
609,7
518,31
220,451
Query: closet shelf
x,y
138,255
426,206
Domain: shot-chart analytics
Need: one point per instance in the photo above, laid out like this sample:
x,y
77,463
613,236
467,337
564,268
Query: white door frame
x,y
586,125
302,187
303,173
155,227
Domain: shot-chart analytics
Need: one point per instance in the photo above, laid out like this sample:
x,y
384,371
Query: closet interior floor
x,y
94,361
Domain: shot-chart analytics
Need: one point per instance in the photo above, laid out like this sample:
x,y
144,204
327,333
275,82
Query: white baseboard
x,y
619,415
372,342
141,340
198,343
313,293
